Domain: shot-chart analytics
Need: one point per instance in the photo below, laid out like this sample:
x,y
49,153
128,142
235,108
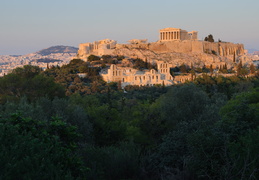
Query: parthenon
x,y
172,34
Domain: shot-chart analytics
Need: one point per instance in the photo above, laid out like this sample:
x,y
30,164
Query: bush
x,y
93,58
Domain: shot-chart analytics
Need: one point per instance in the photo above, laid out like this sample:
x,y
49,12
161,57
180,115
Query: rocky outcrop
x,y
197,53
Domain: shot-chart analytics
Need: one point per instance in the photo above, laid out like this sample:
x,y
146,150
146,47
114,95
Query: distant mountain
x,y
57,49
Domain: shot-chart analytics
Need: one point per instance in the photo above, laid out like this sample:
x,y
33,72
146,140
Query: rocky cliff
x,y
197,53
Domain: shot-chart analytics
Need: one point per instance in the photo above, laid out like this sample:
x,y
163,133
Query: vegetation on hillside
x,y
55,125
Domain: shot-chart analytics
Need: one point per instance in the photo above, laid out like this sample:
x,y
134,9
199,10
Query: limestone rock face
x,y
197,53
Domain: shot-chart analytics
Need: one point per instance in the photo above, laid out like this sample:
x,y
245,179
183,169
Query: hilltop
x,y
57,49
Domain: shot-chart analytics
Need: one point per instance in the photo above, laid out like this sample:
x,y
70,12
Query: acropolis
x,y
174,47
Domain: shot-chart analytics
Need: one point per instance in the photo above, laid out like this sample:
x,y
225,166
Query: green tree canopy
x,y
93,58
32,149
28,82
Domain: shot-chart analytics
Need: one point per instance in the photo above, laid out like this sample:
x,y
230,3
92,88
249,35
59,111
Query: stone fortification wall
x,y
102,47
133,46
189,46
223,48
186,46
219,48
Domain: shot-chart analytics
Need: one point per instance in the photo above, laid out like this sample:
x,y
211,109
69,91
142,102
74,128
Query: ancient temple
x,y
172,34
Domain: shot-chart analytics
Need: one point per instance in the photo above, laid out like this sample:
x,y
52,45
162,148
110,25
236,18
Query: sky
x,y
27,26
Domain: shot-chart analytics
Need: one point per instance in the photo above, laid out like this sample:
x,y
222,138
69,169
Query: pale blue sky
x,y
27,26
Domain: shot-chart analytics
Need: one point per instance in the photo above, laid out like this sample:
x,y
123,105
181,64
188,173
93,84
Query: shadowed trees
x,y
209,38
28,81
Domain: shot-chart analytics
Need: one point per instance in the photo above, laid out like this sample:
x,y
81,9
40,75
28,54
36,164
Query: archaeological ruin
x,y
174,47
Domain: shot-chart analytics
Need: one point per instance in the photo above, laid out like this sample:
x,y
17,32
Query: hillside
x,y
57,49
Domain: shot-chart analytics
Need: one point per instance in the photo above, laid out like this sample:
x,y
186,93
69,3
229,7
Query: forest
x,y
56,125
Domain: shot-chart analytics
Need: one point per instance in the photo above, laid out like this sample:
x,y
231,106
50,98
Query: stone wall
x,y
223,48
189,46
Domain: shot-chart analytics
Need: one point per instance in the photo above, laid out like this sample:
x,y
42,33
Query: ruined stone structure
x,y
175,46
172,34
138,41
102,47
130,76
172,40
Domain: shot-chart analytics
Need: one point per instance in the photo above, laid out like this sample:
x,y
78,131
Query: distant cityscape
x,y
53,56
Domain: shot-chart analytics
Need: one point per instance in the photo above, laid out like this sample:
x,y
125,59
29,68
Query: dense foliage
x,y
207,129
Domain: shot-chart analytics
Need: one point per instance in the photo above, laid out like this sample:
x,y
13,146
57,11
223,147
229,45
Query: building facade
x,y
172,34
130,76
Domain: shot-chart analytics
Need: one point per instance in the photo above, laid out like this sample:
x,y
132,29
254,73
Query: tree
x,y
28,81
209,38
180,155
32,149
193,74
252,68
113,162
239,68
183,68
211,70
183,103
93,58
27,71
240,122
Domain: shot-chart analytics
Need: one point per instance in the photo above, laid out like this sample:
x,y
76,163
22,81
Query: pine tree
x,y
220,68
192,66
252,68
240,64
146,64
211,70
119,85
193,74
210,38
225,67
239,68
183,68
